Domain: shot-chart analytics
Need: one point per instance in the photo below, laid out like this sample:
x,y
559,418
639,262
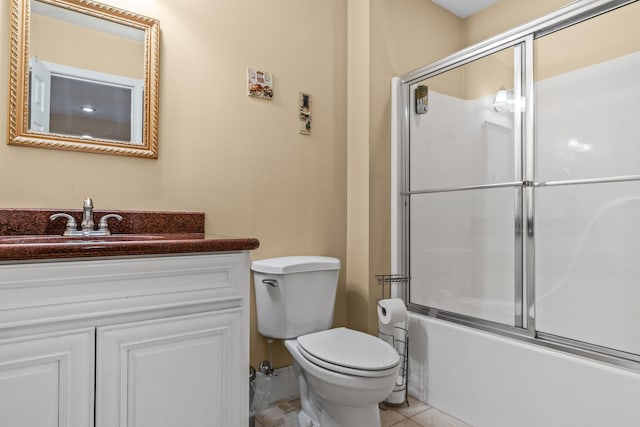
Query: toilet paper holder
x,y
398,337
391,279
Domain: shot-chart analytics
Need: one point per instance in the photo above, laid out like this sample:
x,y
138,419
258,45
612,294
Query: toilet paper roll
x,y
391,311
386,332
394,334
397,397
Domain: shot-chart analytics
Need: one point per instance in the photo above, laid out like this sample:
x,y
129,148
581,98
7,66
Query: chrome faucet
x,y
87,216
87,225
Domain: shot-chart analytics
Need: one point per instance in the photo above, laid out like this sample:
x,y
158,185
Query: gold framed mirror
x,y
84,76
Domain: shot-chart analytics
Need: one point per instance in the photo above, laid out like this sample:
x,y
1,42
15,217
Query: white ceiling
x,y
464,8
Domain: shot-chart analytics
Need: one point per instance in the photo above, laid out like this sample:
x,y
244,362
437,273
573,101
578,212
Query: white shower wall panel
x,y
587,122
460,142
587,263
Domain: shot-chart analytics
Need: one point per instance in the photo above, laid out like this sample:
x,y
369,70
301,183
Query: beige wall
x,y
583,45
487,75
567,50
557,53
357,238
403,35
60,42
504,15
386,39
238,159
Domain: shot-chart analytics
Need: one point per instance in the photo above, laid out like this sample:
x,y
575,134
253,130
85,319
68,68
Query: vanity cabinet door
x,y
177,371
47,380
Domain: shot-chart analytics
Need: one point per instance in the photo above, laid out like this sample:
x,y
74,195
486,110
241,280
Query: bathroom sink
x,y
38,239
29,235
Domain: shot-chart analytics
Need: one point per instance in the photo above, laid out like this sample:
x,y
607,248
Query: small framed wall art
x,y
259,84
305,114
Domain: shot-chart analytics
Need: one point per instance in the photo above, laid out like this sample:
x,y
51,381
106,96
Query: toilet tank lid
x,y
295,264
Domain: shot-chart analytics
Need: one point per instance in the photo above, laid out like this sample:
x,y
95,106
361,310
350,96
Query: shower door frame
x,y
524,36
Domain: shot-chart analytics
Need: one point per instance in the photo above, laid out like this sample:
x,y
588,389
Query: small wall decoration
x,y
260,84
305,114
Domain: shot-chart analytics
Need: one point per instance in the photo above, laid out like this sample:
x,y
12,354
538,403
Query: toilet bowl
x,y
342,373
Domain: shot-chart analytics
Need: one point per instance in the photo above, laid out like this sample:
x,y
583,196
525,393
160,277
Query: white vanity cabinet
x,y
46,380
171,372
148,342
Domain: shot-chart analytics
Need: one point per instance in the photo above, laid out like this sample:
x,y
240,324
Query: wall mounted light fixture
x,y
505,101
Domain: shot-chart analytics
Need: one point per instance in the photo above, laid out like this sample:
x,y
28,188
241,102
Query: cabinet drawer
x,y
72,290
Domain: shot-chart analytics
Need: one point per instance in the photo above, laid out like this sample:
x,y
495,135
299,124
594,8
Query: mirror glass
x,y
85,78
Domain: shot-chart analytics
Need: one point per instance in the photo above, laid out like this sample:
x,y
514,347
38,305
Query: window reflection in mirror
x,y
84,103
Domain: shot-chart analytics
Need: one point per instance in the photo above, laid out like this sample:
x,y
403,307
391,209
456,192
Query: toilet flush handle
x,y
271,282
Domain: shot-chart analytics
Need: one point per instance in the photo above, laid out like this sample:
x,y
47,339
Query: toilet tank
x,y
295,295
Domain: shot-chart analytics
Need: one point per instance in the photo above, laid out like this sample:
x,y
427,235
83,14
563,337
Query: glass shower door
x,y
518,195
465,181
588,182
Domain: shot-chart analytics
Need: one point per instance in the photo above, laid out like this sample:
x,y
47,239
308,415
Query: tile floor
x,y
417,414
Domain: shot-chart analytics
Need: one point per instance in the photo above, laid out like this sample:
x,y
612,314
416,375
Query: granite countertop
x,y
28,234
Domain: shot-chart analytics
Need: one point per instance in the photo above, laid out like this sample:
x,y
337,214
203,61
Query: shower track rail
x,y
626,178
466,188
516,184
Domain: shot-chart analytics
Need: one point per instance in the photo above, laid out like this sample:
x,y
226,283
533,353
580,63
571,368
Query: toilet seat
x,y
349,352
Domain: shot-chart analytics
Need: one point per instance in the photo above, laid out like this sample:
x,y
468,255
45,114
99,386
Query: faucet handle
x,y
104,226
72,226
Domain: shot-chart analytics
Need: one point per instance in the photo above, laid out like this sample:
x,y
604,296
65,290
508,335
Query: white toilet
x,y
343,373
